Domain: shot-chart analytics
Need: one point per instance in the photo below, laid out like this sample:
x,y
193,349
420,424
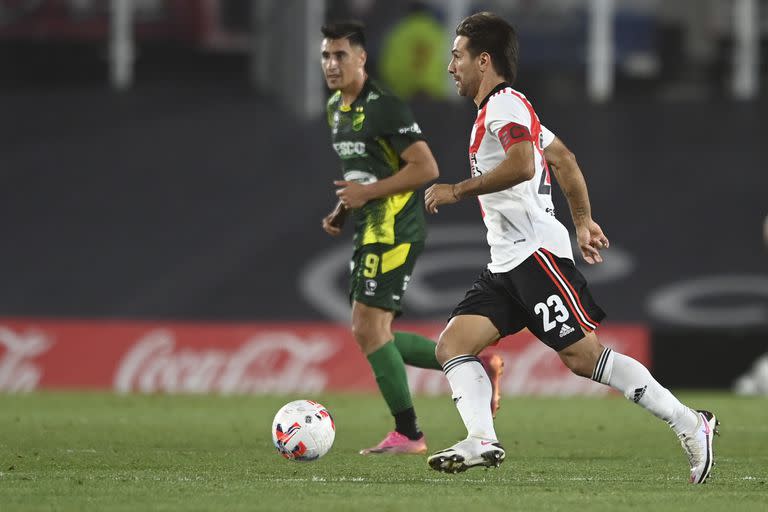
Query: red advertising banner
x,y
175,357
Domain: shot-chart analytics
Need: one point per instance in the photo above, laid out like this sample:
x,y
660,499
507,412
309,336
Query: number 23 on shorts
x,y
561,313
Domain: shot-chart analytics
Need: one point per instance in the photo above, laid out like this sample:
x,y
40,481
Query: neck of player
x,y
486,86
350,93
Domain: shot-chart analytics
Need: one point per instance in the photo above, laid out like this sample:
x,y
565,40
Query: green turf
x,y
106,452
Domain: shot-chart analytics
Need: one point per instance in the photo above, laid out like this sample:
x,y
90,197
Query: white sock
x,y
471,394
637,384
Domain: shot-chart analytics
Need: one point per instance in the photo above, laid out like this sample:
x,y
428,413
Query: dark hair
x,y
352,30
487,32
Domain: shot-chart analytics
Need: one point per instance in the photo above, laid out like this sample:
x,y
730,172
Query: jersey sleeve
x,y
330,107
396,123
508,119
546,137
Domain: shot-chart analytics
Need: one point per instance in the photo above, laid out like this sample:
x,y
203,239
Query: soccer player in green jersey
x,y
385,161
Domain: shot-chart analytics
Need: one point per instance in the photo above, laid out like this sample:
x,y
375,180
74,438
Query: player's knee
x,y
582,356
370,334
442,353
577,364
579,361
365,335
447,348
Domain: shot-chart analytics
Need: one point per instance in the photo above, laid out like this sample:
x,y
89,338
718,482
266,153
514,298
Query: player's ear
x,y
484,61
363,57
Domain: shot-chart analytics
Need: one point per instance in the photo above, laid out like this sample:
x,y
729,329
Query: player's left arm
x,y
571,180
419,169
517,167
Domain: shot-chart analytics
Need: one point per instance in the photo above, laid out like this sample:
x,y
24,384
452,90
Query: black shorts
x,y
546,294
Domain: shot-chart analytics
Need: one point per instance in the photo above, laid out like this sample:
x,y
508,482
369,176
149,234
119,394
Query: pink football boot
x,y
397,443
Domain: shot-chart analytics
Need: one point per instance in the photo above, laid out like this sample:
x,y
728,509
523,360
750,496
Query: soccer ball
x,y
303,430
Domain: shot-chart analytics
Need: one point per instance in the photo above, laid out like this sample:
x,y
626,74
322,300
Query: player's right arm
x,y
334,221
568,174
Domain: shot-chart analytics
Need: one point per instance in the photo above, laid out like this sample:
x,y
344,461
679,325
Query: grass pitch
x,y
78,451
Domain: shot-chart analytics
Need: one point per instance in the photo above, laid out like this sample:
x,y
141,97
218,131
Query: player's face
x,y
464,68
342,62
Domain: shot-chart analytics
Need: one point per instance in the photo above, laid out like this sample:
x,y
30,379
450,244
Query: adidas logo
x,y
565,330
639,392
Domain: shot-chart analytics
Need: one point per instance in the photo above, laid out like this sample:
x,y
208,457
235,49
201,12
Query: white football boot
x,y
469,453
698,446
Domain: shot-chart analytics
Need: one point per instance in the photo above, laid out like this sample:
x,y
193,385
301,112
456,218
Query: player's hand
x,y
591,240
352,195
437,194
329,224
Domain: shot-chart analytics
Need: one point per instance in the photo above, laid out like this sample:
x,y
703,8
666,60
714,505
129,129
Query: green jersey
x,y
369,135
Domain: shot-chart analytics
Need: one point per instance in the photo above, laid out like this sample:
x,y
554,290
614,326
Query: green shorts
x,y
380,274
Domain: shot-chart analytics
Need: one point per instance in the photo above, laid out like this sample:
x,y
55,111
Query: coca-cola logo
x,y
275,362
533,369
17,371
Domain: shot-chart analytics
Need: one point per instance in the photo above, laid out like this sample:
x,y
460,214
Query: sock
x,y
634,380
389,369
471,394
405,423
417,350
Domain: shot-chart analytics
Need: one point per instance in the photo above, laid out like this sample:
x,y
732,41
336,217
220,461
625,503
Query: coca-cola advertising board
x,y
281,358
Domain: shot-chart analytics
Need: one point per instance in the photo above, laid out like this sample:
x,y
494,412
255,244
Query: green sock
x,y
389,369
417,350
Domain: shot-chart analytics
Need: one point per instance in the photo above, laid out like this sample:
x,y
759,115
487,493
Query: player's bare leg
x,y
695,429
463,338
494,367
419,352
371,327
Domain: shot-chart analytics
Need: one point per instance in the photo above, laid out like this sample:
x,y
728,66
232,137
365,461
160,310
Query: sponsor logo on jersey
x,y
473,165
414,128
348,148
361,177
370,287
565,330
372,96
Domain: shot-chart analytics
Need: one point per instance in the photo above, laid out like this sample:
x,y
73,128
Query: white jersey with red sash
x,y
520,219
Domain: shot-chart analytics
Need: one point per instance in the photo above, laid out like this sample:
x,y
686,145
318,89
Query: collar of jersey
x,y
347,108
502,85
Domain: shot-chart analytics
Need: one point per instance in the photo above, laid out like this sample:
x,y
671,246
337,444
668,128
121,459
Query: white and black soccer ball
x,y
303,430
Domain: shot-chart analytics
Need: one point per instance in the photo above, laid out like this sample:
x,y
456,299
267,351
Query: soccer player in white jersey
x,y
531,281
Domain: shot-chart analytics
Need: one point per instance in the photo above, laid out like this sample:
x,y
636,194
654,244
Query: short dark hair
x,y
352,30
487,32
